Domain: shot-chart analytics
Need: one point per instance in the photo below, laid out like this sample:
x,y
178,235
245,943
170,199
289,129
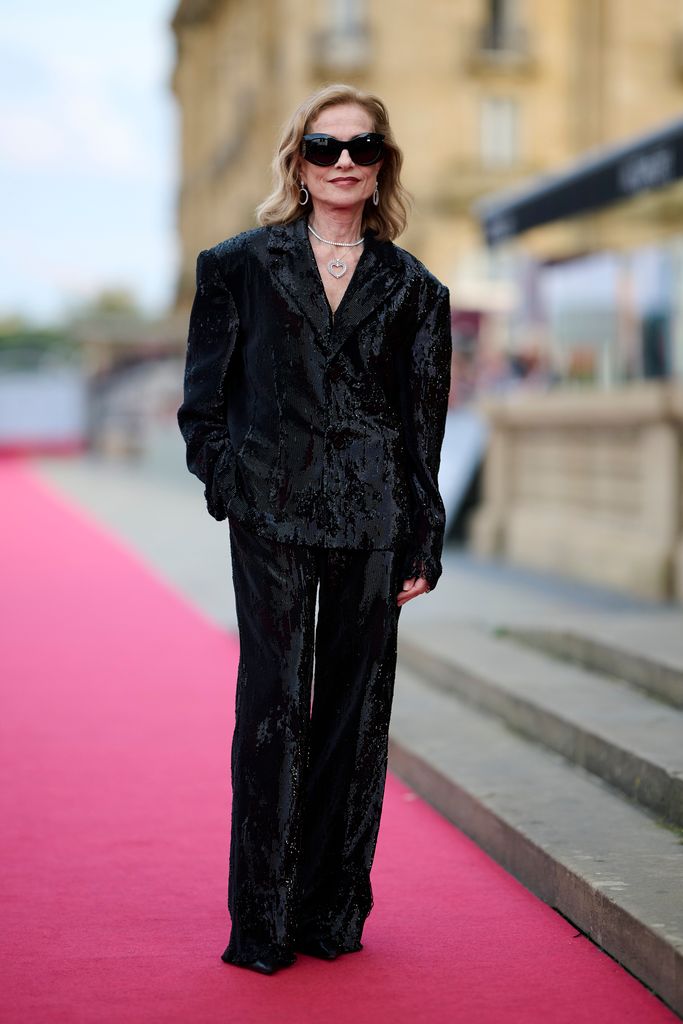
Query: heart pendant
x,y
337,267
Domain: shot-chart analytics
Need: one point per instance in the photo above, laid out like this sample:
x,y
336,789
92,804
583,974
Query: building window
x,y
503,31
501,19
499,132
345,16
343,44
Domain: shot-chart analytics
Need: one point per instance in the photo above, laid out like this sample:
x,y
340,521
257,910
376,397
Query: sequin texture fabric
x,y
318,437
314,428
308,776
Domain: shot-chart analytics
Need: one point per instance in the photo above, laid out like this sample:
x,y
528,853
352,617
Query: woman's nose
x,y
344,159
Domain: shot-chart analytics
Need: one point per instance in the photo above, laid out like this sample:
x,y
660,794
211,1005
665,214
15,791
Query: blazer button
x,y
337,438
335,372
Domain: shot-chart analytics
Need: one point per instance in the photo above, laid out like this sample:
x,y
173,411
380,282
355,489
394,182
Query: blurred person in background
x,y
315,396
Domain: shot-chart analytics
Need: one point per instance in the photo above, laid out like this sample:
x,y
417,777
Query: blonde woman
x,y
316,388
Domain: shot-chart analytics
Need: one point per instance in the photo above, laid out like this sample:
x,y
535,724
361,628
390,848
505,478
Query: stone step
x,y
600,723
574,841
659,674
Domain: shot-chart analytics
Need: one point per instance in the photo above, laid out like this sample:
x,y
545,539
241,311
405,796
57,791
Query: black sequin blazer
x,y
312,427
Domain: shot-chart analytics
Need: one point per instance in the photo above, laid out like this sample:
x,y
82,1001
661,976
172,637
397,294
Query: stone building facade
x,y
482,94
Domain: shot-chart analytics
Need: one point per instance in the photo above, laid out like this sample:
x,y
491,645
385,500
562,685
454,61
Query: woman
x,y
316,387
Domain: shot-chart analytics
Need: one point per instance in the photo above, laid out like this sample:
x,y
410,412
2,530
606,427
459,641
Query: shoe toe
x,y
264,964
320,948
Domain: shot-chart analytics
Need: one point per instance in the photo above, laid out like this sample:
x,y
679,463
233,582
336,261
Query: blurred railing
x,y
589,483
43,398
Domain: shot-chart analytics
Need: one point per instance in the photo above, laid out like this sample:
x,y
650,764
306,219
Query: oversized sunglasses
x,y
325,150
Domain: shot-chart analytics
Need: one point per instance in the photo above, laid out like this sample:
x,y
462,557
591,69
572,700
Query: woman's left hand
x,y
412,588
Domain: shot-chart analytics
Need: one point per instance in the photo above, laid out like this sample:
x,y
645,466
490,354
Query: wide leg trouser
x,y
309,749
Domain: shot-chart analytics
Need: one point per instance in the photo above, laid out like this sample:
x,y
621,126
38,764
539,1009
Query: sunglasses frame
x,y
375,137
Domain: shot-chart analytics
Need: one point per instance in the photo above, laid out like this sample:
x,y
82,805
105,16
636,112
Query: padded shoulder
x,y
416,266
431,288
232,253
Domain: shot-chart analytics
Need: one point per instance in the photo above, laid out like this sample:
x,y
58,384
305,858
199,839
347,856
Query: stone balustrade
x,y
588,483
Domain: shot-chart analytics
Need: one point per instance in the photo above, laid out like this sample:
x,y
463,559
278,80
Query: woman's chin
x,y
340,199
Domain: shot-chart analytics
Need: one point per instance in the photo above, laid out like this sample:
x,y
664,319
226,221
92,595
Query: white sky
x,y
87,153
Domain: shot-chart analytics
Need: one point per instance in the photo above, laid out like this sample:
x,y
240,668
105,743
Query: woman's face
x,y
344,184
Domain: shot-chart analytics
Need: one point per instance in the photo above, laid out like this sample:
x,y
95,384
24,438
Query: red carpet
x,y
117,706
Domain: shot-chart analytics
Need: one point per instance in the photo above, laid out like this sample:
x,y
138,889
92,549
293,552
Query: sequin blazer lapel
x,y
296,276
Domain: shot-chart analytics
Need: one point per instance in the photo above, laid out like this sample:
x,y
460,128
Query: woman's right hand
x,y
412,588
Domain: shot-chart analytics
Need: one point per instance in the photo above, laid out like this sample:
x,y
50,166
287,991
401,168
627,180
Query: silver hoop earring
x,y
303,191
375,195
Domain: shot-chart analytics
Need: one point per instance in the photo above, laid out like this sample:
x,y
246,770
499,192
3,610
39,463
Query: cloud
x,y
88,150
84,112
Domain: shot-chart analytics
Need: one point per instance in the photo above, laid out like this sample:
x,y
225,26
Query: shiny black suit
x,y
319,438
312,428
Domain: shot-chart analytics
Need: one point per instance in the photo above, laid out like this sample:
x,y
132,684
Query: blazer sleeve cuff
x,y
417,564
220,488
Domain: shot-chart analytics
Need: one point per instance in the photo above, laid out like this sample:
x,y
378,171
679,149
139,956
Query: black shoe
x,y
318,947
264,964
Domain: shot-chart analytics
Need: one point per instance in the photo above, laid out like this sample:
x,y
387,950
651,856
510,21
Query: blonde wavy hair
x,y
282,206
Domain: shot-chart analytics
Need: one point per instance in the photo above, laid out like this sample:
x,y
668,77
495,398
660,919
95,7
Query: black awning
x,y
647,162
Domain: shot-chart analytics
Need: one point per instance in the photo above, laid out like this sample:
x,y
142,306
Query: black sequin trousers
x,y
309,750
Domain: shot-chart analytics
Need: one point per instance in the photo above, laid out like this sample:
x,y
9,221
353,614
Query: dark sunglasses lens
x,y
323,152
365,151
326,151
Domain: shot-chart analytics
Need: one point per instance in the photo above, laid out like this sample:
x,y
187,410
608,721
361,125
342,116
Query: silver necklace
x,y
337,267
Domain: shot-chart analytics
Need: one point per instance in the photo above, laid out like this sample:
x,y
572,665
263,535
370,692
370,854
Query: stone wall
x,y
588,483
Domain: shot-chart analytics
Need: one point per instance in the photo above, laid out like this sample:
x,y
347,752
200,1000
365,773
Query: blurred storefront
x,y
588,476
596,255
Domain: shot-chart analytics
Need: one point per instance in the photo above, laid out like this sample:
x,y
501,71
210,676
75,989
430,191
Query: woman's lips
x,y
343,181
